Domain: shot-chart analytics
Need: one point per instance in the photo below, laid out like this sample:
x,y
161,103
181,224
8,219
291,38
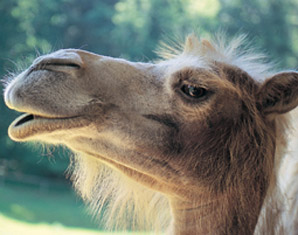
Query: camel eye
x,y
193,91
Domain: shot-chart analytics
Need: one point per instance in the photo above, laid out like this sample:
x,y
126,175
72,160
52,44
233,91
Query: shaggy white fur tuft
x,y
115,199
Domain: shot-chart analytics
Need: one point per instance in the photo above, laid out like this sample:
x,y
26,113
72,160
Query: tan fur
x,y
150,156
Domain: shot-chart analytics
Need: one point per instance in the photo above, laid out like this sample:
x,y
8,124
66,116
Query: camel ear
x,y
279,94
191,44
194,46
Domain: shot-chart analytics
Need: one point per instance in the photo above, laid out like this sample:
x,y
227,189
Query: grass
x,y
10,226
33,205
28,209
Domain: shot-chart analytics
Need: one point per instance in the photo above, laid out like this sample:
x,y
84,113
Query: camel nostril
x,y
64,64
61,64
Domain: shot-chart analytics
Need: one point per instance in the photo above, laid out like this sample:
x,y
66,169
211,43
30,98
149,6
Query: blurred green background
x,y
33,189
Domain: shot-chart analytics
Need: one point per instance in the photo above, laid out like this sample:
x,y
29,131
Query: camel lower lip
x,y
27,126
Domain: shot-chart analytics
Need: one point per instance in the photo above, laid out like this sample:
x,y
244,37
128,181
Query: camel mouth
x,y
23,119
29,125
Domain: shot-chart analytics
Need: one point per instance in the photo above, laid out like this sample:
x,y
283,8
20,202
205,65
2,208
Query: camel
x,y
199,142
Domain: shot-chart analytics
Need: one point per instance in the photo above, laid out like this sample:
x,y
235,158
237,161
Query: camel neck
x,y
209,215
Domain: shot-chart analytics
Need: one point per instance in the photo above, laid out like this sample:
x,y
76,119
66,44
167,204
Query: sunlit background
x,y
35,198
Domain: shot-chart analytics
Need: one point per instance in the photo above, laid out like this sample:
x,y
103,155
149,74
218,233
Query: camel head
x,y
201,121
